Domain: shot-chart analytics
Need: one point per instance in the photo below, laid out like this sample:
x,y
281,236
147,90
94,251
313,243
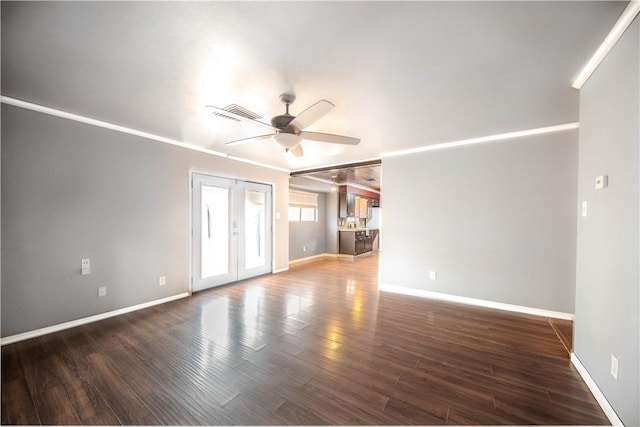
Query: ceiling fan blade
x,y
329,137
251,139
311,114
297,151
238,117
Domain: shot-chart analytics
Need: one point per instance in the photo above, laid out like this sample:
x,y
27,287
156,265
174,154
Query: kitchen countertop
x,y
357,229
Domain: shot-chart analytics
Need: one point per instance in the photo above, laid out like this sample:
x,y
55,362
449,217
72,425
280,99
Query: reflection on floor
x,y
318,344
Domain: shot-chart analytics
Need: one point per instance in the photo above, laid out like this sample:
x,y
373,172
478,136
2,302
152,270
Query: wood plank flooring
x,y
316,345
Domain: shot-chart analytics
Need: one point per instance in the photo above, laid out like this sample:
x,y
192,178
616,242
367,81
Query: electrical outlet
x,y
85,265
102,291
433,275
614,367
162,281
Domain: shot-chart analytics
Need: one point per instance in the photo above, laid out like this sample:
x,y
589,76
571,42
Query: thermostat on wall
x,y
601,182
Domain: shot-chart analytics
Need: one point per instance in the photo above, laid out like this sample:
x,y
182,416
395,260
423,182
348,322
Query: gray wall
x,y
607,294
308,235
73,191
332,245
496,221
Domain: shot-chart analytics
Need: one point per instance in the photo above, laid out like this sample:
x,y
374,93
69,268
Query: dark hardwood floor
x,y
315,345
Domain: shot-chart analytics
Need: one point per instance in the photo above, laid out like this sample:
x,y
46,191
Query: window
x,y
303,207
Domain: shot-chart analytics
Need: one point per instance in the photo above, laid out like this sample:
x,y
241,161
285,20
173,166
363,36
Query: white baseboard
x,y
317,257
72,324
597,393
474,301
306,259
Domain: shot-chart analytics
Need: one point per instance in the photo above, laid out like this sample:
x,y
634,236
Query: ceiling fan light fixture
x,y
287,140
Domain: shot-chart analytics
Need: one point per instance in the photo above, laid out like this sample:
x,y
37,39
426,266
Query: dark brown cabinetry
x,y
352,242
354,206
347,205
356,242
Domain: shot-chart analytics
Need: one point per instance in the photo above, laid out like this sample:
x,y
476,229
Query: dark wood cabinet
x,y
347,205
354,206
356,242
352,242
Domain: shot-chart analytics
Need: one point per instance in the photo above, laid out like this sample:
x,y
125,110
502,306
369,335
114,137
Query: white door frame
x,y
269,223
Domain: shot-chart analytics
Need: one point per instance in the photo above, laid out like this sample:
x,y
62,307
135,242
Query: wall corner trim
x,y
595,390
85,320
474,301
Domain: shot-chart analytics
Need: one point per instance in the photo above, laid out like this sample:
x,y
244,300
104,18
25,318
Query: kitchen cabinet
x,y
361,207
347,205
352,206
356,242
352,242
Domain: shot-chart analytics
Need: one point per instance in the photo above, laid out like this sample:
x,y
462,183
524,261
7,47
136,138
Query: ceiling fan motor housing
x,y
282,122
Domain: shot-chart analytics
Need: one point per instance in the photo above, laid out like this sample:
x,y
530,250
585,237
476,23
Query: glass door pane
x,y
214,231
254,229
255,243
214,242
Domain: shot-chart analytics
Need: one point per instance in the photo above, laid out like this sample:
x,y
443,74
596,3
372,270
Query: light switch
x,y
602,182
584,208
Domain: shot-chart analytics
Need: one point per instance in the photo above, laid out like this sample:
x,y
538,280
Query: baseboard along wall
x,y
78,322
597,393
474,301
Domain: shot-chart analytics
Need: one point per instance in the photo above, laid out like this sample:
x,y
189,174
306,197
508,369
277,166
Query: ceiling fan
x,y
287,130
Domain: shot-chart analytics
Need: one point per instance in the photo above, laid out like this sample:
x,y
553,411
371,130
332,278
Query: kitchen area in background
x,y
358,221
346,201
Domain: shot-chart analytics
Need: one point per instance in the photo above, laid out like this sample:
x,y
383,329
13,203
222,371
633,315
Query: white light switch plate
x,y
584,208
602,182
433,275
614,367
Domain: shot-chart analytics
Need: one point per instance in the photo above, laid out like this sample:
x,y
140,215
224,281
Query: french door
x,y
231,230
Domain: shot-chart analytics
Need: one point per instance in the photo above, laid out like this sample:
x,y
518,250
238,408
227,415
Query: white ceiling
x,y
401,74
